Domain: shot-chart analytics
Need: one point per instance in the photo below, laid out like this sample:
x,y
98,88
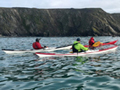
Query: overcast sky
x,y
110,6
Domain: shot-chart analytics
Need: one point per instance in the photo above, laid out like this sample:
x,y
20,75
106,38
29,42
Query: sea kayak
x,y
105,43
12,51
89,52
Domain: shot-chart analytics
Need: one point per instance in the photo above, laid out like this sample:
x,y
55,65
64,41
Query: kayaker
x,y
91,41
78,47
37,45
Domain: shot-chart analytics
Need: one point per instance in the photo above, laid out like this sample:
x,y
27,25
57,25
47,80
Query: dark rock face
x,y
58,22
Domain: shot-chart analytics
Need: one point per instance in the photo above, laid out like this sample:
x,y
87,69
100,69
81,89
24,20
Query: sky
x,y
109,6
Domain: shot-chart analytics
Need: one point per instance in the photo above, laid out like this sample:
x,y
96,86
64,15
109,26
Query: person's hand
x,y
45,46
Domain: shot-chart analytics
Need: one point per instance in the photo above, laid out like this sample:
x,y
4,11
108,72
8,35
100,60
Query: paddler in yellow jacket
x,y
78,47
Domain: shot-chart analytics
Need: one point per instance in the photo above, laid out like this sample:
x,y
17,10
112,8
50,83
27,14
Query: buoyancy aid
x,y
73,48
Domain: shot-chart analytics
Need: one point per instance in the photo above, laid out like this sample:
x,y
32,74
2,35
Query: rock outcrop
x,y
58,22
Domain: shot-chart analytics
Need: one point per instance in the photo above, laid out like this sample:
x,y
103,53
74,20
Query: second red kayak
x,y
105,43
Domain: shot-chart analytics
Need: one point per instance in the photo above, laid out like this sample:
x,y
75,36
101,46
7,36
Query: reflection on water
x,y
27,72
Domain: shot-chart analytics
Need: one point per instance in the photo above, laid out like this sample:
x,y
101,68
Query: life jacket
x,y
73,48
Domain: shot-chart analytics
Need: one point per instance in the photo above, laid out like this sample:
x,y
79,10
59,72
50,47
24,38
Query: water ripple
x,y
27,72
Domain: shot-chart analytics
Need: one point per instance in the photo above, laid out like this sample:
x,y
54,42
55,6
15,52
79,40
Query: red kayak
x,y
106,43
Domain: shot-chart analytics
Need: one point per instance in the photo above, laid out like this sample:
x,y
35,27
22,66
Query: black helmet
x,y
37,39
78,39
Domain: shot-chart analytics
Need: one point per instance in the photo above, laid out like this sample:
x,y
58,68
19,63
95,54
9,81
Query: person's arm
x,y
83,48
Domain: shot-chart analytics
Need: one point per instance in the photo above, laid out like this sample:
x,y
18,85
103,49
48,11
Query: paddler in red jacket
x,y
91,41
37,45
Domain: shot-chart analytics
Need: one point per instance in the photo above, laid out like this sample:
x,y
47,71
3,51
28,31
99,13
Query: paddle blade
x,y
71,52
96,44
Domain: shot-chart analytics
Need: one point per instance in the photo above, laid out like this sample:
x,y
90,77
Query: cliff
x,y
58,22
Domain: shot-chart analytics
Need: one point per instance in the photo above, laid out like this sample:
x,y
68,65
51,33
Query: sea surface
x,y
29,72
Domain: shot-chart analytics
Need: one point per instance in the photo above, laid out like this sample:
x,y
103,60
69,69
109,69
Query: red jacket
x,y
91,41
37,45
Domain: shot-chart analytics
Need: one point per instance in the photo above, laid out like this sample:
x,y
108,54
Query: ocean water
x,y
28,72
